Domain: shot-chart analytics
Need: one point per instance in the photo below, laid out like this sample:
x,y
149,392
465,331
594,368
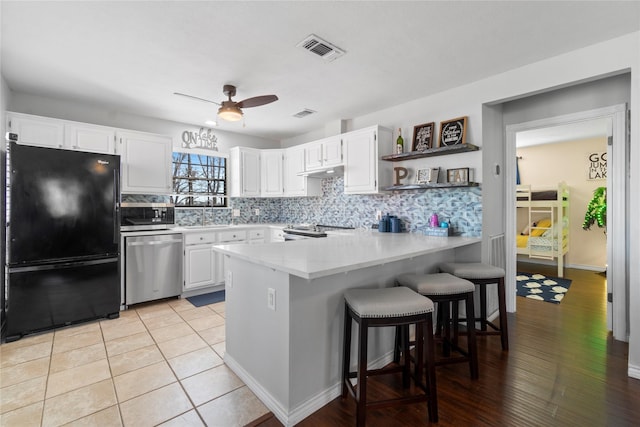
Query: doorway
x,y
611,122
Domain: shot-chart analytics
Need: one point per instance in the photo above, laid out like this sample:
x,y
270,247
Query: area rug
x,y
205,299
542,288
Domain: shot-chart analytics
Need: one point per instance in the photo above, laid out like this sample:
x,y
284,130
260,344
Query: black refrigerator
x,y
63,238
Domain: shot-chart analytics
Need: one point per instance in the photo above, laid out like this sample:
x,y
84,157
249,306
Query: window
x,y
199,180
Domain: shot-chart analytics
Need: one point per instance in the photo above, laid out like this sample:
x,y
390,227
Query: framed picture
x,y
453,132
460,175
427,176
423,137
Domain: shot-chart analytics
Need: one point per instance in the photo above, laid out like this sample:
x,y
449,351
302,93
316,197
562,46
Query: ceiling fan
x,y
231,110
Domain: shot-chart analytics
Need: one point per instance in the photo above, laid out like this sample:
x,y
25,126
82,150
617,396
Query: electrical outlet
x,y
271,299
230,279
256,211
378,215
236,212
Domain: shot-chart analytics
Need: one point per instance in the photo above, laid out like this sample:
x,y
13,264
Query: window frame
x,y
189,195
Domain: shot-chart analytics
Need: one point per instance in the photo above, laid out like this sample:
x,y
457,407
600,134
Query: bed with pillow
x,y
546,233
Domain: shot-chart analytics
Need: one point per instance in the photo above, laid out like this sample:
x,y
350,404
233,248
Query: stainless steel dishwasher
x,y
153,267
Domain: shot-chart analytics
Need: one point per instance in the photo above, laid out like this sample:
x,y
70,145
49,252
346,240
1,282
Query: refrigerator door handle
x,y
61,265
116,206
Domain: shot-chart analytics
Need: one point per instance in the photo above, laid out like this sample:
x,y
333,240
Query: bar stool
x,y
397,306
447,290
482,274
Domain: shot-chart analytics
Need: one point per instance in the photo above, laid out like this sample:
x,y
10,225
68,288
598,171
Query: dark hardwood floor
x,y
563,369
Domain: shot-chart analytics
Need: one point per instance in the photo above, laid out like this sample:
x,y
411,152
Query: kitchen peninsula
x,y
284,308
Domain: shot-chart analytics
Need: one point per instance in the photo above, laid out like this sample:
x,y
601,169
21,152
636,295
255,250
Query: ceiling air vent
x,y
303,113
322,48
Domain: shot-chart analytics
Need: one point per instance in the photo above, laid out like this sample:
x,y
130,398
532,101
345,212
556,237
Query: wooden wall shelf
x,y
432,186
439,151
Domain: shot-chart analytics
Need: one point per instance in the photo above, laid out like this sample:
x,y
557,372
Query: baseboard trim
x,y
528,260
306,408
634,371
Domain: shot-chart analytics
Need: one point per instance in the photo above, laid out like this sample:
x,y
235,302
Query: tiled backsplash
x,y
461,207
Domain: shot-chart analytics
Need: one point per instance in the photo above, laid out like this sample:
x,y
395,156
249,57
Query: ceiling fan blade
x,y
196,97
257,101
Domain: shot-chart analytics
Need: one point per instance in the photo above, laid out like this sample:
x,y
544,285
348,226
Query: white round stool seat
x,y
387,302
435,284
472,270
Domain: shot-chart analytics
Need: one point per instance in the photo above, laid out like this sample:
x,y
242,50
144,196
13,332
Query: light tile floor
x,y
158,364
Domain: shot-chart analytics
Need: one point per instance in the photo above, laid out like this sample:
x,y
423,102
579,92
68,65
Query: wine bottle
x,y
399,142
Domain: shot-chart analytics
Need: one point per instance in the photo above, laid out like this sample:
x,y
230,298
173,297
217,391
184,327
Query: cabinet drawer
x,y
256,234
232,236
199,238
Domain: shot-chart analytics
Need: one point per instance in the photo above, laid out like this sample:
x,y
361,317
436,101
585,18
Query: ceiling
x,y
132,56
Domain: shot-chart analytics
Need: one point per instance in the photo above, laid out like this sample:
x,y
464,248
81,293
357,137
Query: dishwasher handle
x,y
154,242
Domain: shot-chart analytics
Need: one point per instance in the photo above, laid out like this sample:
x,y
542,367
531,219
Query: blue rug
x,y
205,299
542,288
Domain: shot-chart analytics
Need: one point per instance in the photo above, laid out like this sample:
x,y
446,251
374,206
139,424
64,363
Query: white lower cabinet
x,y
200,267
277,235
200,261
204,267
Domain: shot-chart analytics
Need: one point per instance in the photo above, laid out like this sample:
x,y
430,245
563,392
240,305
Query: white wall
x,y
483,102
543,167
49,107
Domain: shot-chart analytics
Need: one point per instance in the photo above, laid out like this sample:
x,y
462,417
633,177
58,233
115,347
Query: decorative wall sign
x,y
202,139
400,173
453,132
423,137
427,176
597,166
459,176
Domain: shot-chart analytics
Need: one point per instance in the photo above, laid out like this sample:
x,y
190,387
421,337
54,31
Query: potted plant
x,y
596,210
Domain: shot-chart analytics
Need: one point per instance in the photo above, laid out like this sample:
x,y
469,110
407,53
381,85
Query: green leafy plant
x,y
596,210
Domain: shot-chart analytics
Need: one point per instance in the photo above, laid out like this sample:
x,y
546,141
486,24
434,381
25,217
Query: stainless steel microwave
x,y
146,216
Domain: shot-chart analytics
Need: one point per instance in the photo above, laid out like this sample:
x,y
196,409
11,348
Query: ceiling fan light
x,y
230,114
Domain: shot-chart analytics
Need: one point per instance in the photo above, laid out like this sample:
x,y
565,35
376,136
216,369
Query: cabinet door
x,y
294,185
96,139
199,266
277,235
146,163
361,160
332,151
35,130
250,171
271,162
313,156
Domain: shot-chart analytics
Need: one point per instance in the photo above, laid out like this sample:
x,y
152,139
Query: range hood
x,y
326,172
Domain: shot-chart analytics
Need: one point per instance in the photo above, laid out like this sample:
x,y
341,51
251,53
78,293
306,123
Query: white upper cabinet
x,y
36,130
364,172
271,170
295,184
324,153
93,138
56,133
245,172
146,162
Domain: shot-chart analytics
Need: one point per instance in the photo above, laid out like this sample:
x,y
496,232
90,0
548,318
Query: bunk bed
x,y
546,234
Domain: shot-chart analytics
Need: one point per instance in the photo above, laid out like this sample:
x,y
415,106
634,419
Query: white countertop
x,y
313,258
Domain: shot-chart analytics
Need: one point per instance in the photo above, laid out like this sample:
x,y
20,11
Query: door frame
x,y
617,147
